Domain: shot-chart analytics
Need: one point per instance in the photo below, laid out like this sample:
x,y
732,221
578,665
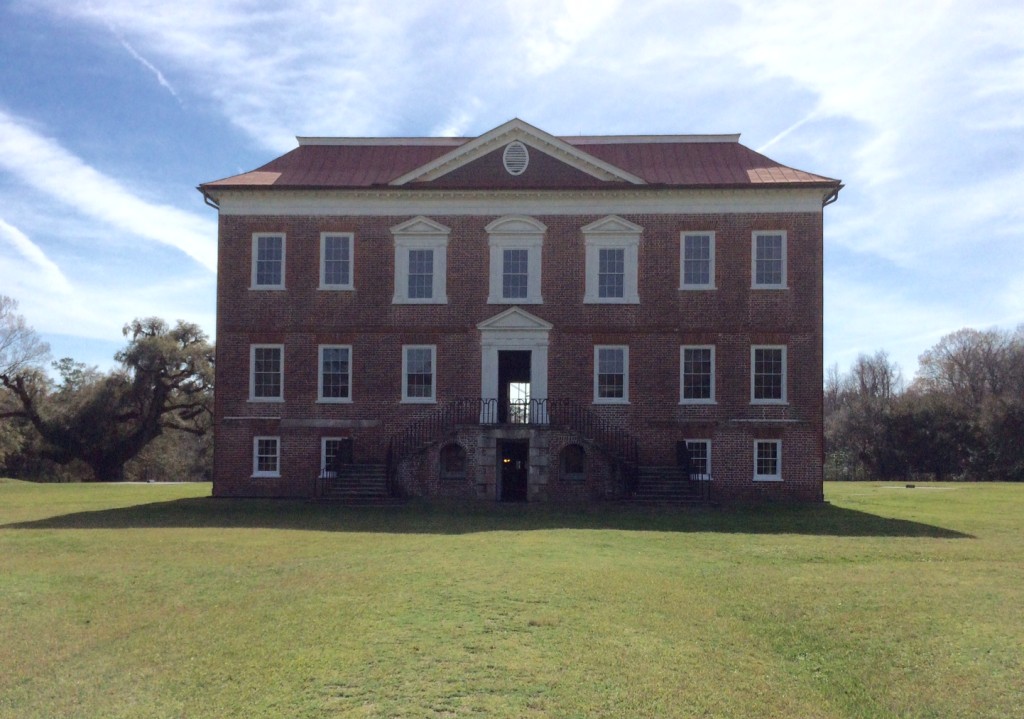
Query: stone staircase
x,y
668,486
361,485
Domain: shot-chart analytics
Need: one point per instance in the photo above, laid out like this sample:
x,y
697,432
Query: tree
x,y
21,351
165,382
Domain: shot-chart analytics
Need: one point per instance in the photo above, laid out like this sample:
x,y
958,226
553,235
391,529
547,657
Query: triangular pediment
x,y
612,225
535,139
420,226
516,225
514,319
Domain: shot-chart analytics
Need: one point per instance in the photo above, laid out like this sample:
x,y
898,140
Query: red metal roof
x,y
660,161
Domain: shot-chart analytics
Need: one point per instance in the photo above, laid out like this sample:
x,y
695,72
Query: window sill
x,y
694,288
419,301
769,287
515,301
769,403
266,400
611,300
697,402
611,401
418,400
334,400
767,479
270,288
266,476
336,288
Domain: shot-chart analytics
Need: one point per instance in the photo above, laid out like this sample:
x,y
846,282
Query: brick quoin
x,y
565,189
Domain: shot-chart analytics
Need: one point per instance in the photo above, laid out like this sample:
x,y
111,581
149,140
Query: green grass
x,y
158,601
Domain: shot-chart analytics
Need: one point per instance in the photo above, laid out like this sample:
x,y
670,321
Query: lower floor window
x,y
453,462
573,462
334,451
768,460
700,458
266,457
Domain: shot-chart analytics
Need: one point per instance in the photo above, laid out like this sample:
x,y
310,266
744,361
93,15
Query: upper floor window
x,y
335,373
418,376
515,244
336,261
697,375
697,261
612,261
268,261
421,262
768,250
266,373
768,375
611,374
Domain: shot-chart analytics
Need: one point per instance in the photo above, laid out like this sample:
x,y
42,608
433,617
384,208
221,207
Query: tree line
x,y
962,416
147,419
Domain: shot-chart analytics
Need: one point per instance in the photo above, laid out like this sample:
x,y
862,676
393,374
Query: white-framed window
x,y
768,259
330,447
697,374
336,260
697,260
611,374
266,456
768,460
266,373
418,373
515,244
768,374
612,261
421,262
335,377
268,261
700,458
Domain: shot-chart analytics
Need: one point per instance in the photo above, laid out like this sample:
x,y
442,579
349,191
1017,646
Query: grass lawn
x,y
157,601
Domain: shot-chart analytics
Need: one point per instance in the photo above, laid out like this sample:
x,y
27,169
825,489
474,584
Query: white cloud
x,y
43,164
40,265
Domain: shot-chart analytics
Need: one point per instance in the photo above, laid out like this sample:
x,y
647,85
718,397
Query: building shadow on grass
x,y
417,518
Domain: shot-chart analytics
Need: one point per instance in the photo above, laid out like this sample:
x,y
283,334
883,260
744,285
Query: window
x,y
418,373
697,375
769,260
573,462
768,460
768,375
612,259
453,462
611,272
514,274
335,373
611,375
697,261
266,373
700,458
515,244
335,261
421,262
334,450
268,261
266,457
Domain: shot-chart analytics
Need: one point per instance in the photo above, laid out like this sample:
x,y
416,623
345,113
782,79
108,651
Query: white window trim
x,y
777,477
711,260
753,260
351,261
406,399
323,451
612,233
785,374
256,458
707,443
320,375
515,232
254,260
252,373
682,355
625,375
421,233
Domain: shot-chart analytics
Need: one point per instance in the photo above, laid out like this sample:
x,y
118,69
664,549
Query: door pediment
x,y
515,319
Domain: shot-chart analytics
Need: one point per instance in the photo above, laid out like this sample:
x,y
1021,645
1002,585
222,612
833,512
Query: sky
x,y
112,111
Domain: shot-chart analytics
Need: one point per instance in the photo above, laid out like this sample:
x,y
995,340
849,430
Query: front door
x,y
513,466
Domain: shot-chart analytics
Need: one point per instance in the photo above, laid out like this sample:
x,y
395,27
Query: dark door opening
x,y
513,462
514,386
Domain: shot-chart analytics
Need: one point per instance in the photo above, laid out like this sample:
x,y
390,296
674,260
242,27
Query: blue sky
x,y
112,111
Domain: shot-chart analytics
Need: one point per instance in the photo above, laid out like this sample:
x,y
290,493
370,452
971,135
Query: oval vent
x,y
516,158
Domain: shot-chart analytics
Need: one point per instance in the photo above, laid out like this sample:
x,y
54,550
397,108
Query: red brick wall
x,y
731,317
